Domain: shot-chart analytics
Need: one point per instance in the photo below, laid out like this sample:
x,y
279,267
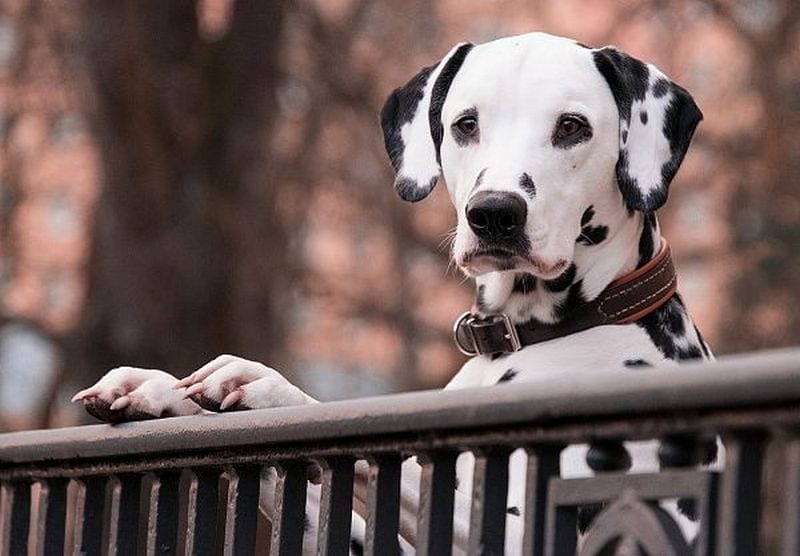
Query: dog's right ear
x,y
412,126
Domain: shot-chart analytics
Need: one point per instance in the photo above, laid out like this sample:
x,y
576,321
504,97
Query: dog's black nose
x,y
496,215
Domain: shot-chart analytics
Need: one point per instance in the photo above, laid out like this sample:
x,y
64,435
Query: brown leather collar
x,y
625,300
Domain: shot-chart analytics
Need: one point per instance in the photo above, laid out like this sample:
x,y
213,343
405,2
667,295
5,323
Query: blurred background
x,y
186,178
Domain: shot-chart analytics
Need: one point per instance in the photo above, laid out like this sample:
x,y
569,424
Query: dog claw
x,y
87,393
231,399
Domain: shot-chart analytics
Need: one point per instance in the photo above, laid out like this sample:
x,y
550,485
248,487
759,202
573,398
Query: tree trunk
x,y
189,256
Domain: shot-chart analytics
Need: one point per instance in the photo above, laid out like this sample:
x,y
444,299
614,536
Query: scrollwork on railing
x,y
632,526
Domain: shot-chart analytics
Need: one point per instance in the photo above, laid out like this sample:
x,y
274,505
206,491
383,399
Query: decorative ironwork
x,y
193,485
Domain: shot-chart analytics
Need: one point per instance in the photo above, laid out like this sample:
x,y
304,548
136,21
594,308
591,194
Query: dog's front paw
x,y
230,383
132,394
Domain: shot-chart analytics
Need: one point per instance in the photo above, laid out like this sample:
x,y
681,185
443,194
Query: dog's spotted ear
x,y
657,119
412,126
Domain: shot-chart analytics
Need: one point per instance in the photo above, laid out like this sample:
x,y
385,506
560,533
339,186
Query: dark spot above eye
x,y
625,136
643,117
507,376
513,510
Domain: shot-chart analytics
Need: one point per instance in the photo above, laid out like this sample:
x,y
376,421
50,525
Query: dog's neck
x,y
613,242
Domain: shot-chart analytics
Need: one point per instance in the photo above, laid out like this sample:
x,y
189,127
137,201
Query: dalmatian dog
x,y
555,156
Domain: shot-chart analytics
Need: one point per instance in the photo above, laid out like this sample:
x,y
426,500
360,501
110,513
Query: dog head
x,y
530,131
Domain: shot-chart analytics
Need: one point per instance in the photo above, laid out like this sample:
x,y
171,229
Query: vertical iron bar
x,y
436,493
383,505
487,530
290,506
122,515
158,532
543,463
16,520
199,512
561,529
336,506
88,524
241,512
791,502
740,494
48,527
6,509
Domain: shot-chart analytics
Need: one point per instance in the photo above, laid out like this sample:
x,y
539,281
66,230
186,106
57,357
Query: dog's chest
x,y
595,350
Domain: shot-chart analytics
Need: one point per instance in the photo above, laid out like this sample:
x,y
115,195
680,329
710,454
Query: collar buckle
x,y
493,334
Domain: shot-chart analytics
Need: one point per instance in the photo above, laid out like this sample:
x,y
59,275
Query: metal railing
x,y
194,485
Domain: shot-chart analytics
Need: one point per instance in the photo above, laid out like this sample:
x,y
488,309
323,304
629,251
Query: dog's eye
x,y
570,130
467,125
569,125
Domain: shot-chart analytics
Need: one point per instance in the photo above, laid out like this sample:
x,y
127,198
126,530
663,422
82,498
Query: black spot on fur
x,y
592,235
480,298
513,510
625,136
588,214
665,325
574,300
527,185
439,93
647,241
507,376
643,117
356,548
660,87
560,283
636,363
524,283
398,110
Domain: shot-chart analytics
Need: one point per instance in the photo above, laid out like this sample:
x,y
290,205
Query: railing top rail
x,y
757,379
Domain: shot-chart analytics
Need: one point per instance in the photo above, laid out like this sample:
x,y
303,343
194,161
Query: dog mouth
x,y
483,260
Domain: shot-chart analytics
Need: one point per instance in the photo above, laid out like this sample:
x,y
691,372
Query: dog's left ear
x,y
412,125
657,119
